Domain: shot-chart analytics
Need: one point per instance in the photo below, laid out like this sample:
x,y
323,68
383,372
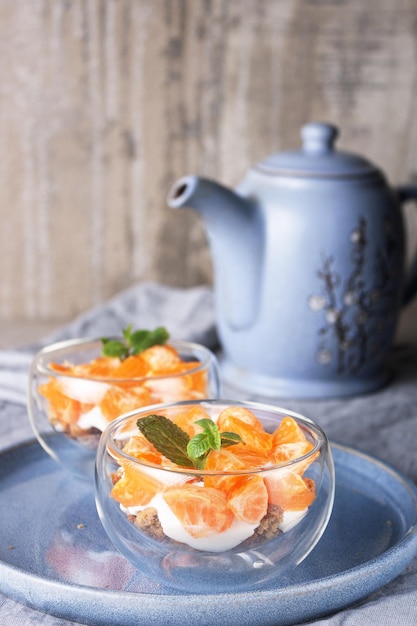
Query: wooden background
x,y
105,103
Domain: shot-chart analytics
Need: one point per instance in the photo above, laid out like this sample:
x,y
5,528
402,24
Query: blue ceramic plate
x,y
55,557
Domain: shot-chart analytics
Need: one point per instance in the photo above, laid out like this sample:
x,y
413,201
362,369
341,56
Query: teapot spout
x,y
235,231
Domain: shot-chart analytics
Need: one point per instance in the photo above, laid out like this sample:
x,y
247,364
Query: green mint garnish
x,y
176,445
201,444
168,438
230,439
114,348
134,342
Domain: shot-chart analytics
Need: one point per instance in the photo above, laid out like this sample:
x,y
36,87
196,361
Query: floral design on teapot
x,y
356,313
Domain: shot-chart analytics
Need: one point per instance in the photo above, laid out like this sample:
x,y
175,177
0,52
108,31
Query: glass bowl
x,y
70,406
216,528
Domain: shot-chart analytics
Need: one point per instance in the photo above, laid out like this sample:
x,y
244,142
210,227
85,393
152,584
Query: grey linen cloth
x,y
383,424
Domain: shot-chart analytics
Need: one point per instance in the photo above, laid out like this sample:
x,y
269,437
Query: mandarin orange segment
x,y
249,500
199,379
61,408
289,490
131,367
250,457
245,423
139,447
223,460
287,432
161,359
202,511
135,487
237,413
117,401
186,420
60,367
235,458
289,443
102,367
288,451
250,434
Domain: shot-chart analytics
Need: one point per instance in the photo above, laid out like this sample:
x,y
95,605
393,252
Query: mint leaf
x,y
114,348
167,437
198,446
229,439
211,431
203,442
176,445
134,342
141,340
210,439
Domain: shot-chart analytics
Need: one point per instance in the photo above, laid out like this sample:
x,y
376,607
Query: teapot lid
x,y
318,158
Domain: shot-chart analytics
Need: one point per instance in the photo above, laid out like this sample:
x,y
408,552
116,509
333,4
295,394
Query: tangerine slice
x,y
186,421
135,487
131,367
60,367
287,451
101,367
289,490
287,432
139,447
249,500
199,381
161,359
117,401
239,413
61,408
202,511
223,460
250,434
245,423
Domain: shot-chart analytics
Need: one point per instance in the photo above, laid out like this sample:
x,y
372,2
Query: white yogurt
x,y
216,542
87,391
93,419
291,519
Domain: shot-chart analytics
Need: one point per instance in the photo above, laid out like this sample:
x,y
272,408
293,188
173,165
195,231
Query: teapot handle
x,y
409,192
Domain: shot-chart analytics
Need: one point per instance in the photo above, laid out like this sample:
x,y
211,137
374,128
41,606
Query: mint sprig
x,y
134,342
177,446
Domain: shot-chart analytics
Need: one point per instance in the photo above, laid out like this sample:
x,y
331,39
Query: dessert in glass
x,y
213,495
77,387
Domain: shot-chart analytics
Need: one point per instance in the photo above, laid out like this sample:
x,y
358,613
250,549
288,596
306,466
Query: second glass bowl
x,y
72,397
245,518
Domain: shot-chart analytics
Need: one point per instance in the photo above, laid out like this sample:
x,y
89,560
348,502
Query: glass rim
x,y
319,436
205,357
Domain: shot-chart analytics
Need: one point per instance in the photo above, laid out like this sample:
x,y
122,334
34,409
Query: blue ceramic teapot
x,y
308,256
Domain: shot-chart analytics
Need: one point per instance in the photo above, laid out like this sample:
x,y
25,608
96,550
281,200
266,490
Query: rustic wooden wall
x,y
105,103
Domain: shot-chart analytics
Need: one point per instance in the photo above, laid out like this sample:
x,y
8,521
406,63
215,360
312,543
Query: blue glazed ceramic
x,y
66,566
308,255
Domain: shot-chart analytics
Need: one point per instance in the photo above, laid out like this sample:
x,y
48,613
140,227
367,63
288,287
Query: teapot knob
x,y
318,137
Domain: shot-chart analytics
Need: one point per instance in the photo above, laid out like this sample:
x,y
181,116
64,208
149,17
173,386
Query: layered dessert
x,y
214,482
83,398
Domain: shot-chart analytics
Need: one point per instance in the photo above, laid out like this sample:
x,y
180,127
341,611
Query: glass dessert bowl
x,y
75,392
213,496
